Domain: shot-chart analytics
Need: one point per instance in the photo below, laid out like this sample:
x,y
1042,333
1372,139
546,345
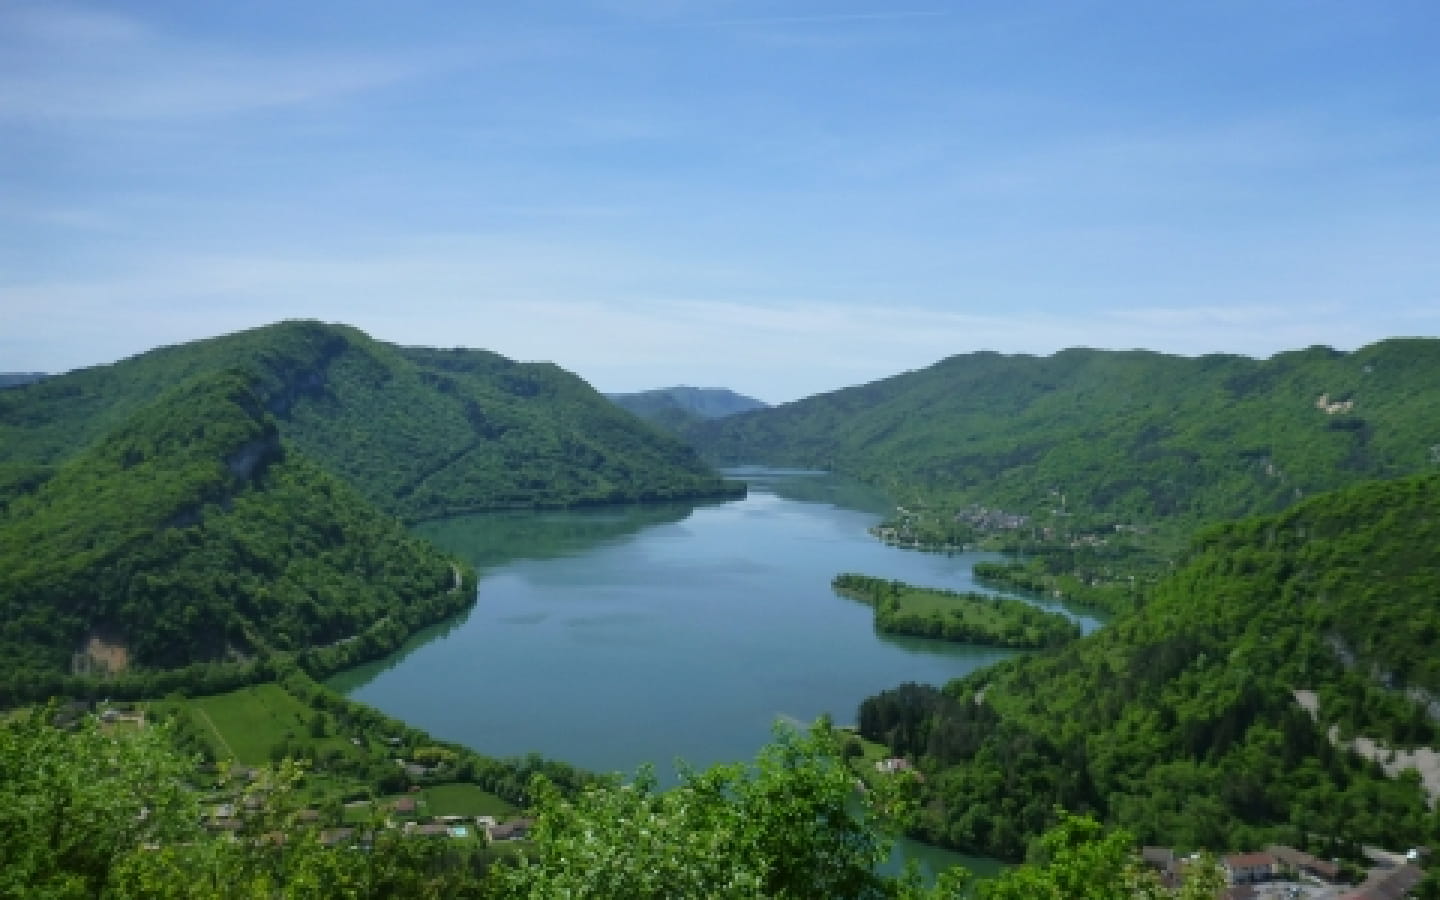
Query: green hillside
x,y
1180,720
115,815
1090,439
418,432
196,509
192,534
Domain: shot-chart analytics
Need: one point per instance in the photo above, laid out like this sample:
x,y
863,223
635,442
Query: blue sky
x,y
780,197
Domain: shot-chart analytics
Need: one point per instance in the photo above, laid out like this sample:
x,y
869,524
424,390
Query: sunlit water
x,y
614,637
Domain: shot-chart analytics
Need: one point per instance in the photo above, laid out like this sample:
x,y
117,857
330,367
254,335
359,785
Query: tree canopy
x,y
1106,438
86,813
1181,720
418,432
193,534
199,508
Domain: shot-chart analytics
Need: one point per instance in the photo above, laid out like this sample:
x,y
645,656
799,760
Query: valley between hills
x,y
194,539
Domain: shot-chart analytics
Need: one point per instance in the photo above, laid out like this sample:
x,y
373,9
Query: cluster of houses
x,y
991,519
459,827
1278,862
1245,871
408,810
896,764
893,764
68,715
404,814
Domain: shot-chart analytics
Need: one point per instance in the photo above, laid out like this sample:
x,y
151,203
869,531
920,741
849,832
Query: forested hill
x,y
675,407
1181,719
1124,437
191,534
418,432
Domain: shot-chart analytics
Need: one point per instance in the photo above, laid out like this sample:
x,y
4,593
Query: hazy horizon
x,y
781,199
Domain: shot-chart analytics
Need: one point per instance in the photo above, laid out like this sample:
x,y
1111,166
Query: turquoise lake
x,y
619,636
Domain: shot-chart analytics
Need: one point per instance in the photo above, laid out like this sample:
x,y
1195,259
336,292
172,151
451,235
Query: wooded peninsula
x,y
971,618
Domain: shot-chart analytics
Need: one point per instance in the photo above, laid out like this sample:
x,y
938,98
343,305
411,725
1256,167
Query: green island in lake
x,y
970,617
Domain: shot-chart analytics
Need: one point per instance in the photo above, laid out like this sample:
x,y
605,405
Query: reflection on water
x,y
350,679
490,539
814,486
920,645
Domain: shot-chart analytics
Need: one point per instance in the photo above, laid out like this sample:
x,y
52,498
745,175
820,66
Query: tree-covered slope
x,y
540,436
1126,437
114,815
418,432
192,533
675,407
1180,720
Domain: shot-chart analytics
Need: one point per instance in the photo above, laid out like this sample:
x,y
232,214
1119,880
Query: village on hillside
x,y
1284,873
250,802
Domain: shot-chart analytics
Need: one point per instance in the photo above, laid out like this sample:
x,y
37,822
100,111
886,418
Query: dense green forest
x,y
1110,578
971,618
1181,720
116,814
418,432
192,534
196,509
675,407
220,513
1091,444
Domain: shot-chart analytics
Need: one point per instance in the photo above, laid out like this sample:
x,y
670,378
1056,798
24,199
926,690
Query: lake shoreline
x,y
646,633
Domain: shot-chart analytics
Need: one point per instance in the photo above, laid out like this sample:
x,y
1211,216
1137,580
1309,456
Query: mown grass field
x,y
252,725
246,724
463,800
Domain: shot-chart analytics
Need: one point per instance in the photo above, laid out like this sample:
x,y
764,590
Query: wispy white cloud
x,y
74,218
649,192
59,24
59,62
593,315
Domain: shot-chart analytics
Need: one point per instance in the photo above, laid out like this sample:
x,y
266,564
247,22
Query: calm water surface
x,y
610,638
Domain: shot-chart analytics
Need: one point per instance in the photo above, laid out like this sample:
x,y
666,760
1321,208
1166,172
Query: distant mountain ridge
x,y
1123,437
15,379
674,407
420,432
